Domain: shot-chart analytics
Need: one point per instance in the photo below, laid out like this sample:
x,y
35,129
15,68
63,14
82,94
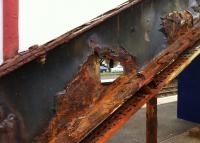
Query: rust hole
x,y
110,70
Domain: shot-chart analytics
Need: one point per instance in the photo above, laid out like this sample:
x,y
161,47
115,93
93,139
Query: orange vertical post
x,y
10,28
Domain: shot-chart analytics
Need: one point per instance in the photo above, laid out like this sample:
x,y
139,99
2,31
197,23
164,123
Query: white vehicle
x,y
118,68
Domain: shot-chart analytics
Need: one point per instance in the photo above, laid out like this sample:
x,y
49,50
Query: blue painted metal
x,y
188,92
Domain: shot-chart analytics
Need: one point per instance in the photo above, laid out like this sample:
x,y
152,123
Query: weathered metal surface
x,y
8,126
106,129
129,34
176,23
105,100
151,121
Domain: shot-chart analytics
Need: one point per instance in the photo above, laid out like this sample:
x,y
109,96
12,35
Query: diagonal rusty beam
x,y
74,120
128,34
112,124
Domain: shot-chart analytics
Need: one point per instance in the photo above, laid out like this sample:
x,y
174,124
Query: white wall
x,y
43,20
1,31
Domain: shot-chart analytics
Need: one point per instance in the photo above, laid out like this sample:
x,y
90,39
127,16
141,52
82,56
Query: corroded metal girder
x,y
100,102
54,92
113,123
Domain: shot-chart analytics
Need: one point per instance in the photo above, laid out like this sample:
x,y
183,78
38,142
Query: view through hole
x,y
110,70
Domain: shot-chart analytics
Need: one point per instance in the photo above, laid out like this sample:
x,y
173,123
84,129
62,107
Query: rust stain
x,y
112,124
176,24
85,102
8,127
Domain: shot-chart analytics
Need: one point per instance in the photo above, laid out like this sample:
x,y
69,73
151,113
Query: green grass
x,y
110,73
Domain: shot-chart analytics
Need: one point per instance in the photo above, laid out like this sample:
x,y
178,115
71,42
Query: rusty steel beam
x,y
112,124
54,91
110,98
151,121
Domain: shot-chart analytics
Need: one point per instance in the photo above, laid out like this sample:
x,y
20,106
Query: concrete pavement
x,y
170,129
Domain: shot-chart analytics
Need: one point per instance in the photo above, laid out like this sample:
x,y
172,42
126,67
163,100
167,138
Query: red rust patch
x,y
86,103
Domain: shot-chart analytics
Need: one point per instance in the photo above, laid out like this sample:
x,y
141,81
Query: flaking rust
x,y
115,53
110,126
176,24
85,102
8,126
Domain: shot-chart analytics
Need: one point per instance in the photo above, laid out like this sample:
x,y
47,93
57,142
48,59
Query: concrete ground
x,y
170,129
182,138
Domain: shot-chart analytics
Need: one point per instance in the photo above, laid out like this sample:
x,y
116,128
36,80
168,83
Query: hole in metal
x,y
110,70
